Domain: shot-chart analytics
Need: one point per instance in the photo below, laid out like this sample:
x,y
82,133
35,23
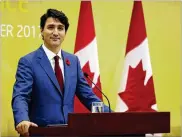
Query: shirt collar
x,y
51,54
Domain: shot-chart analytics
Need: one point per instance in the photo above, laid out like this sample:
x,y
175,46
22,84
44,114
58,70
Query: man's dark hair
x,y
54,14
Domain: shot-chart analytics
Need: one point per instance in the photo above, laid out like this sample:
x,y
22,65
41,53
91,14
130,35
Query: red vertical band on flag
x,y
137,30
85,31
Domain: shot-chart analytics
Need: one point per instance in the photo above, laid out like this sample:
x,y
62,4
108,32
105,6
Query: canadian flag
x,y
86,50
137,92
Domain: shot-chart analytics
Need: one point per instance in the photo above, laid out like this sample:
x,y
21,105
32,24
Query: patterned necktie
x,y
58,73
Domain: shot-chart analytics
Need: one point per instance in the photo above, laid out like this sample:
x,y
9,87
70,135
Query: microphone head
x,y
85,74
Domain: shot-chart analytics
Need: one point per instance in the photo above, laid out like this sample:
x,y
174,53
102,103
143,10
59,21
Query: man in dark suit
x,y
48,79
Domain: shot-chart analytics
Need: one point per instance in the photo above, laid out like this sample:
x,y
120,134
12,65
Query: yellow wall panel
x,y
112,19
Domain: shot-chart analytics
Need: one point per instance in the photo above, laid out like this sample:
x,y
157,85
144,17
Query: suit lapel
x,y
66,74
46,65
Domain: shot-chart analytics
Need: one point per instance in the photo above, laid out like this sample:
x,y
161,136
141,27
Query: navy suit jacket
x,y
37,96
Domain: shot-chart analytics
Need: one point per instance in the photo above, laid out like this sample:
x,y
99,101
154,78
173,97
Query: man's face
x,y
53,33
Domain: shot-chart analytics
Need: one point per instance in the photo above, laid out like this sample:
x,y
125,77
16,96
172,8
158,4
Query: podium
x,y
108,124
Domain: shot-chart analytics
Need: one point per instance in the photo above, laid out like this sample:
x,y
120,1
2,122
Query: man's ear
x,y
41,31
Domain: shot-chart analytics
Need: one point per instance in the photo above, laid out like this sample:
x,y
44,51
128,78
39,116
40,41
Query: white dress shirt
x,y
51,56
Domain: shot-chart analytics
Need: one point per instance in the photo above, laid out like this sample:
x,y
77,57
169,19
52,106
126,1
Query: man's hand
x,y
23,127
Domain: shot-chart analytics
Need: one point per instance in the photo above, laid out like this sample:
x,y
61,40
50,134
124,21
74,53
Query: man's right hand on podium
x,y
23,127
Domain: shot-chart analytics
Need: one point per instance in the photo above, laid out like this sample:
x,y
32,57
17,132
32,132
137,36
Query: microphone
x,y
87,76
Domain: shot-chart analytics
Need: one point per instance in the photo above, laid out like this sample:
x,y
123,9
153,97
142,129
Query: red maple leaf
x,y
137,96
86,68
79,107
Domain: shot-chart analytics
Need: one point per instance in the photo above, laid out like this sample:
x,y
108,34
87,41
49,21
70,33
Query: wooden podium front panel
x,y
121,123
109,124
